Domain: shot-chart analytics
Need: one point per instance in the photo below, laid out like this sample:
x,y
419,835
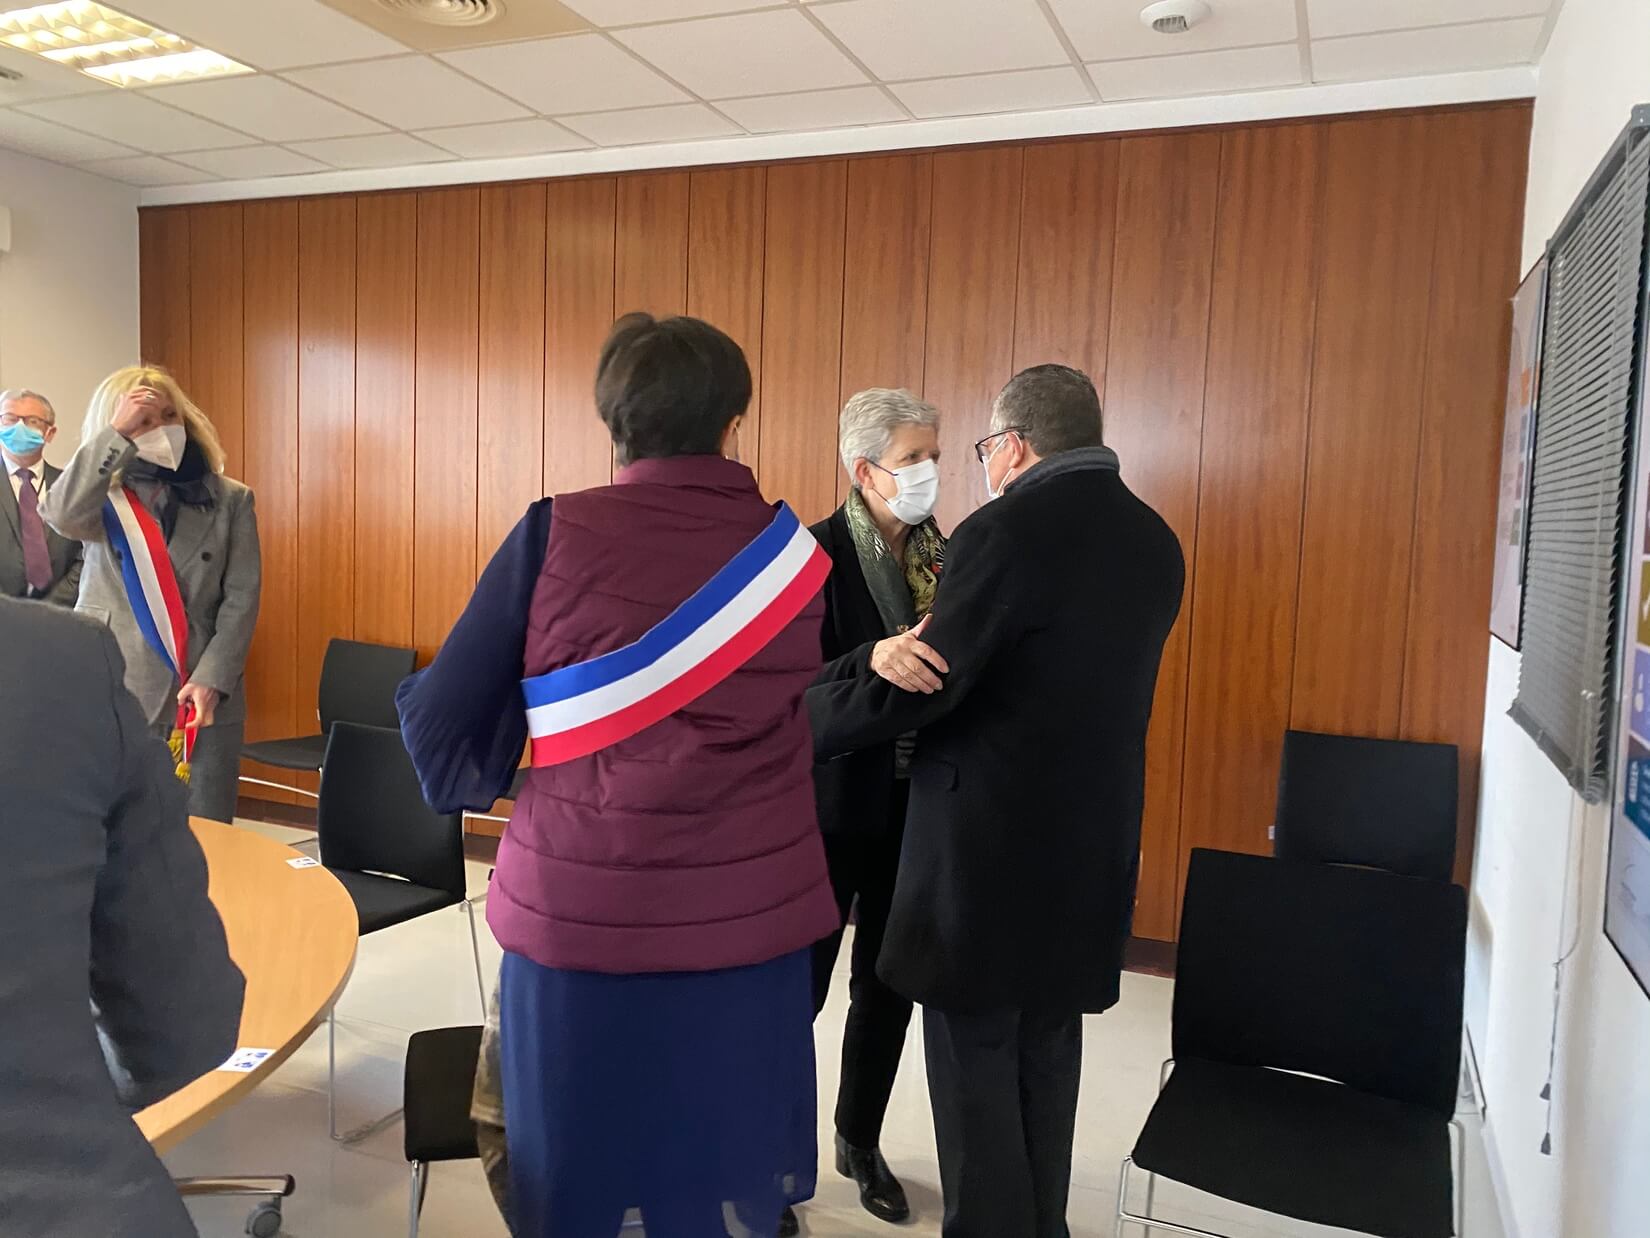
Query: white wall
x,y
69,286
1537,896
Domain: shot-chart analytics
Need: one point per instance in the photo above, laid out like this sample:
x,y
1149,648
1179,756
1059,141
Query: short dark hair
x,y
669,387
1054,406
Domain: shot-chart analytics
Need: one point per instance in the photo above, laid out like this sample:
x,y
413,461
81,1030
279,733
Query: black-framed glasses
x,y
980,452
38,424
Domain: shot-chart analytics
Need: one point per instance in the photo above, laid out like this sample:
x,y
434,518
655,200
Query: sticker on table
x,y
303,861
244,1061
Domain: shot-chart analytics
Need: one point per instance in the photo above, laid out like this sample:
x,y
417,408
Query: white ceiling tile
x,y
383,150
1330,18
684,122
504,140
122,116
267,108
1446,49
252,162
1199,73
814,109
34,136
574,73
627,12
266,34
1110,30
409,92
929,38
41,78
146,170
747,54
1026,90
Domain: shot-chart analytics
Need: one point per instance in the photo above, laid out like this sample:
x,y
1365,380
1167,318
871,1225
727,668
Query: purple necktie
x,y
37,560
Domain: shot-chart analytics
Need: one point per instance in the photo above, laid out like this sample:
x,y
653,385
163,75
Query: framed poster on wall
x,y
1512,520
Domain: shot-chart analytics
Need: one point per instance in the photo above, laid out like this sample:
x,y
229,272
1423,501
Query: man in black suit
x,y
1030,691
35,562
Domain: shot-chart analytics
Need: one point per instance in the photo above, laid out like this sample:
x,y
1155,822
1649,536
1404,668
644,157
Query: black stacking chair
x,y
358,683
1378,803
435,1097
398,858
1317,1046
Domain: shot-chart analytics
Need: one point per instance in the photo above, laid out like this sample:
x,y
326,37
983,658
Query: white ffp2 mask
x,y
163,446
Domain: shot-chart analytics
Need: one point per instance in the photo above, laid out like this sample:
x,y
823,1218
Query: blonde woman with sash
x,y
172,568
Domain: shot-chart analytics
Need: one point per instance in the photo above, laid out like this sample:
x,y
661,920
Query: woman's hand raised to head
x,y
139,411
907,663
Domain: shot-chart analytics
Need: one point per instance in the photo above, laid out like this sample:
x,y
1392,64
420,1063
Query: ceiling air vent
x,y
1174,16
447,12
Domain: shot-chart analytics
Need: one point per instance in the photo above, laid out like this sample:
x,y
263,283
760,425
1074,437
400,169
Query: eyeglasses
x,y
979,448
38,424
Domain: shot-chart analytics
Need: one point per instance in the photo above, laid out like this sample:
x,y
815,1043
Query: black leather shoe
x,y
789,1226
879,1190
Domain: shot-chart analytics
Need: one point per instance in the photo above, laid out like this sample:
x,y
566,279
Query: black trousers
x,y
864,867
1004,1091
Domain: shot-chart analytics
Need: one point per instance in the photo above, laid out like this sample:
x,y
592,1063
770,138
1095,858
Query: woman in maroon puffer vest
x,y
657,888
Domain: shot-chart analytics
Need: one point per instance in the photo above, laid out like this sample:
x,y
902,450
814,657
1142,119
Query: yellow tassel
x,y
176,745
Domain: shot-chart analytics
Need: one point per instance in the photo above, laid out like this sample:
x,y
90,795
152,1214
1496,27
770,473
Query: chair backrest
x,y
1348,973
372,817
358,683
1381,803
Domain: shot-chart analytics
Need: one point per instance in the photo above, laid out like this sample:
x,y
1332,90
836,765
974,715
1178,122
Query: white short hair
x,y
18,394
870,418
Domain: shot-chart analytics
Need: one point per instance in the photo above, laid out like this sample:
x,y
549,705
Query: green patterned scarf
x,y
904,593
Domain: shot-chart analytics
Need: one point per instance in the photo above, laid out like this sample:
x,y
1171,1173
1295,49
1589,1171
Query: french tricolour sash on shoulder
x,y
579,709
157,603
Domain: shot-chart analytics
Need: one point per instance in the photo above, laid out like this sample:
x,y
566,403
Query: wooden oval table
x,y
292,932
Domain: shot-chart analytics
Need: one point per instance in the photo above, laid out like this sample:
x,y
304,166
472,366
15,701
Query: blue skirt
x,y
687,1099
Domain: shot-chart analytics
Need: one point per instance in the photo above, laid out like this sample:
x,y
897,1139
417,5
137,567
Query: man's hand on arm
x,y
908,663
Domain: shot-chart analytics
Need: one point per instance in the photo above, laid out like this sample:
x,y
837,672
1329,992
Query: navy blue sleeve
x,y
462,717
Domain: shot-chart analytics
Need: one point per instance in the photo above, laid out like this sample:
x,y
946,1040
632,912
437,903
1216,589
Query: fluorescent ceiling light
x,y
109,45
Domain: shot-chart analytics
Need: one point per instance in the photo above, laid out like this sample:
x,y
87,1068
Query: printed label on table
x,y
303,861
244,1061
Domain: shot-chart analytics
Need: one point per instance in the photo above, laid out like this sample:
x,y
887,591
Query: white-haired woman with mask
x,y
171,566
886,558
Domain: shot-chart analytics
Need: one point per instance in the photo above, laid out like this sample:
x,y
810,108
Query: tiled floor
x,y
419,975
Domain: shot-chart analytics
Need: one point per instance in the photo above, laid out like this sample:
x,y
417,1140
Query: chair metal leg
x,y
475,951
265,1220
415,1200
1460,1158
1147,1220
279,786
360,1132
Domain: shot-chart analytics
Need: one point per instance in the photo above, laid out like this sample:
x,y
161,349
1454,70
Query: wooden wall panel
x,y
214,308
270,257
885,287
1154,418
1482,161
1252,474
326,432
726,214
650,264
444,411
802,335
1379,212
386,281
578,452
974,258
510,404
165,275
1067,233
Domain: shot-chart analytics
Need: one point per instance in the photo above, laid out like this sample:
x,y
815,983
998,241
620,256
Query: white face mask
x,y
163,446
919,491
986,466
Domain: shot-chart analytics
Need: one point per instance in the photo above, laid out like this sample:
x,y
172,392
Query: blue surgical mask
x,y
21,439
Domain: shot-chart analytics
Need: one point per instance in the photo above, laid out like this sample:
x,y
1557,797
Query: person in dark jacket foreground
x,y
1030,689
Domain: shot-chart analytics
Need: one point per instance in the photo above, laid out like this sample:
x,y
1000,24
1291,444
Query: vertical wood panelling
x,y
1154,418
1482,157
1252,473
578,312
270,263
724,287
1067,229
802,335
510,406
1379,211
326,432
651,244
214,307
444,412
386,280
885,285
974,259
164,278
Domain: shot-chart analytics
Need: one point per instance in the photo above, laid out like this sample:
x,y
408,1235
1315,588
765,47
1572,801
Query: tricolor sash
x,y
156,601
578,709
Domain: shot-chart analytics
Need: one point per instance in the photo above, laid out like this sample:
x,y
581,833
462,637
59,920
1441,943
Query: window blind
x,y
1589,369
